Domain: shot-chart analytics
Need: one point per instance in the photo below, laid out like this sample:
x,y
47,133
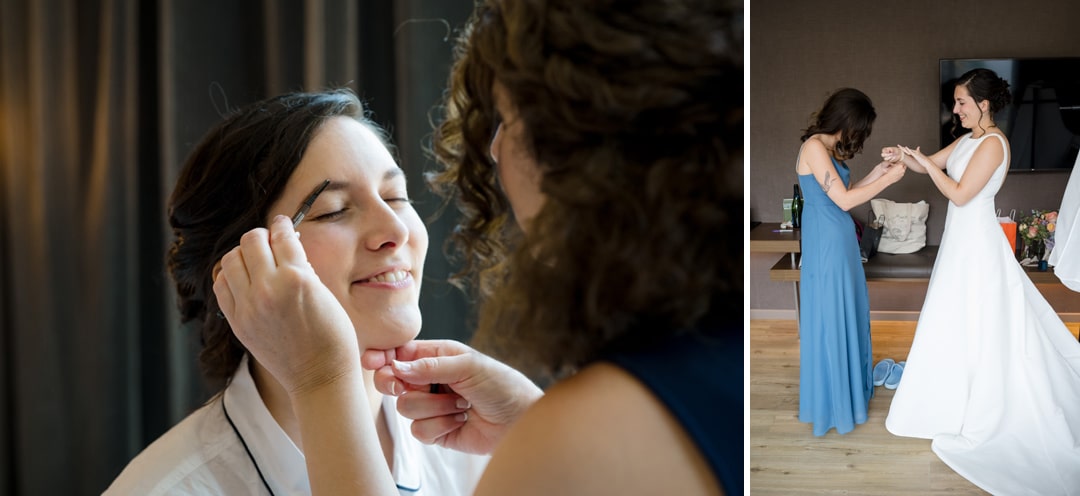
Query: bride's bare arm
x,y
986,159
937,160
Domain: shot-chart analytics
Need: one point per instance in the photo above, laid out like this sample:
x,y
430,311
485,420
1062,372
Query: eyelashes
x,y
330,216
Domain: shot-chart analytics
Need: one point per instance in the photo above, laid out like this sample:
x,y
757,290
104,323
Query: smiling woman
x,y
991,376
364,242
363,237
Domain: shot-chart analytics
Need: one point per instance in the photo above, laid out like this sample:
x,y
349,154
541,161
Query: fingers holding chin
x,y
418,405
373,359
386,383
430,431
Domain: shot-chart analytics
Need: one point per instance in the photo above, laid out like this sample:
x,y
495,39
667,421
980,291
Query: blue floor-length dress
x,y
835,363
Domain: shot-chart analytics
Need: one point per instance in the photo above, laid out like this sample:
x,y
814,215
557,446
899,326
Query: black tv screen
x,y
1043,120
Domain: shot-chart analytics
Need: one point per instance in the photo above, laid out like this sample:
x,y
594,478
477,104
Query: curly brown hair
x,y
226,188
633,110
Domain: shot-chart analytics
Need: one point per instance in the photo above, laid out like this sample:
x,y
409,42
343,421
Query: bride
x,y
993,375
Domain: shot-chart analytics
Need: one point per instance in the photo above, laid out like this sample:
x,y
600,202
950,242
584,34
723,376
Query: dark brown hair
x,y
984,85
633,111
226,188
849,112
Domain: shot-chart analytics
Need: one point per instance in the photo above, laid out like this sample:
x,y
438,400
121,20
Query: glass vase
x,y
1035,248
1040,253
1038,248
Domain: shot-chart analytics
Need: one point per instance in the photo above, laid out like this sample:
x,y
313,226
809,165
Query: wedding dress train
x,y
1065,256
993,375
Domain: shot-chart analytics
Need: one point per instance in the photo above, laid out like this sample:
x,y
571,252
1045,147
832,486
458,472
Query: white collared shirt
x,y
204,455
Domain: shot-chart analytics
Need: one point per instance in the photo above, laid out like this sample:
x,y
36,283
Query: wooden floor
x,y
787,459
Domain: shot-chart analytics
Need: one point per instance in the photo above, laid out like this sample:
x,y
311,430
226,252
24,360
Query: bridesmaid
x,y
835,381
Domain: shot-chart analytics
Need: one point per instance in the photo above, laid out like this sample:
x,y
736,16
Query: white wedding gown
x,y
993,375
1066,254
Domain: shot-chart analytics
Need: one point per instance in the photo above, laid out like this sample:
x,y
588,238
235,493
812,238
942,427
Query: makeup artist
x,y
362,239
596,159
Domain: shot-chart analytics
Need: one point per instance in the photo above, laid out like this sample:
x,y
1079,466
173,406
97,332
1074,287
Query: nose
x,y
496,141
383,228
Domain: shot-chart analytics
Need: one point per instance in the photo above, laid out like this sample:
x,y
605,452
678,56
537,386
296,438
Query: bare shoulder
x,y
815,159
993,149
812,151
999,143
814,145
599,432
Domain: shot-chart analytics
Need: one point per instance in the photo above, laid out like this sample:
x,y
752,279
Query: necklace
x,y
244,443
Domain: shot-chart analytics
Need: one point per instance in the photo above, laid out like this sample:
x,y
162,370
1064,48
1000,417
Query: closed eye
x,y
331,216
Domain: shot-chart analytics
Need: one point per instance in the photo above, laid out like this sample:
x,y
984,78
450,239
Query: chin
x,y
392,329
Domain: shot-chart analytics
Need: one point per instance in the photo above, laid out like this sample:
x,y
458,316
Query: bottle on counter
x,y
796,208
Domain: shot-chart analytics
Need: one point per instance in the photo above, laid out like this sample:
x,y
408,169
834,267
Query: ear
x,y
984,106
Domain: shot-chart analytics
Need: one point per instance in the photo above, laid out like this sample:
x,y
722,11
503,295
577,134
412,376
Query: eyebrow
x,y
337,186
306,206
392,174
389,175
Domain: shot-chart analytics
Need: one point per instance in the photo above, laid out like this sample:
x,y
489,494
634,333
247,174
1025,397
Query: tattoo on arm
x,y
828,182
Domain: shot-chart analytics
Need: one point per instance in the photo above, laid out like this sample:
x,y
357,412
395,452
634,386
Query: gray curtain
x,y
100,101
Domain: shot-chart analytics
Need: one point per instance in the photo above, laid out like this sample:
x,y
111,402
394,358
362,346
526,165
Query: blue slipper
x,y
895,373
881,371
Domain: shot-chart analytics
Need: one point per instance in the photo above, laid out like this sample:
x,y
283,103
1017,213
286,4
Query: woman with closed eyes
x,y
594,150
365,243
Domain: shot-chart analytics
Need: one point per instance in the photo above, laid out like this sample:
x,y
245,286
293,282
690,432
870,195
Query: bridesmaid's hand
x,y
894,173
480,399
892,154
883,167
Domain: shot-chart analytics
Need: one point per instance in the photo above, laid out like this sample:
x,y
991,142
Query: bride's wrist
x,y
311,389
332,371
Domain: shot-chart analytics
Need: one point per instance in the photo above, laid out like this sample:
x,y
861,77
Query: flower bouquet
x,y
1037,231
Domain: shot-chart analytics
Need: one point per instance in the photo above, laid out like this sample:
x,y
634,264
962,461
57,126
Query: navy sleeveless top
x,y
699,377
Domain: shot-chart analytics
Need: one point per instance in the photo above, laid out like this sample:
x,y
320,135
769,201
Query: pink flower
x,y
1039,226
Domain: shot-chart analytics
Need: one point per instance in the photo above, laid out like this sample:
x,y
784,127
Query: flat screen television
x,y
1043,120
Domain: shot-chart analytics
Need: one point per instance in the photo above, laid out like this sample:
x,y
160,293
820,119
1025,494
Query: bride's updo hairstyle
x,y
984,85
